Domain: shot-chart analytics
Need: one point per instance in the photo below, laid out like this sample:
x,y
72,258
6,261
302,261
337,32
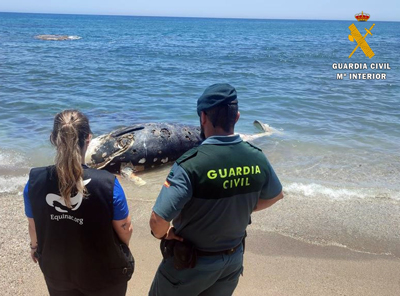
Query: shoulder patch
x,y
254,146
187,155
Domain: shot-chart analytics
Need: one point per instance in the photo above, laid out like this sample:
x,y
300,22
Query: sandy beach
x,y
274,264
335,145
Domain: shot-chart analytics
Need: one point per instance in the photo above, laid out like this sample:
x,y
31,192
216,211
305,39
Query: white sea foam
x,y
336,193
328,243
74,37
12,185
13,172
11,158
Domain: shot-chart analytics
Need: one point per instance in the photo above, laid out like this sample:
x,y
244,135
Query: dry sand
x,y
274,264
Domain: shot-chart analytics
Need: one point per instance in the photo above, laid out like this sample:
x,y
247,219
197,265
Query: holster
x,y
167,248
184,253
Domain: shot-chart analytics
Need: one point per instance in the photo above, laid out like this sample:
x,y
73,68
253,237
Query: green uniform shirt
x,y
212,190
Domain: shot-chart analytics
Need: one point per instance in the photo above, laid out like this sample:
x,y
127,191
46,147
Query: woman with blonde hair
x,y
79,222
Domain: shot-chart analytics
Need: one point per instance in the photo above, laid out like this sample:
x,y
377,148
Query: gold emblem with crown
x,y
362,17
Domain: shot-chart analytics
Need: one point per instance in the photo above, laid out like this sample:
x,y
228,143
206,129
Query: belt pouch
x,y
167,248
185,255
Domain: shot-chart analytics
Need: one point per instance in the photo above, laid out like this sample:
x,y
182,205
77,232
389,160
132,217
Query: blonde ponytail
x,y
70,131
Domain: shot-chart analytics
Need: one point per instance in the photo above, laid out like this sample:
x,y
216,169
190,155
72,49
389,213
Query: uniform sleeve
x,y
175,193
121,210
27,202
272,186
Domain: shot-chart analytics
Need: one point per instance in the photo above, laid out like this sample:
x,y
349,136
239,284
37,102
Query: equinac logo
x,y
58,202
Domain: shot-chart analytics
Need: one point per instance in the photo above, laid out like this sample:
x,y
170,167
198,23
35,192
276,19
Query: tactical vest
x,y
77,245
226,182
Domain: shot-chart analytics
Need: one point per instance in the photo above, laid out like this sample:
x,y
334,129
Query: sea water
x,y
336,146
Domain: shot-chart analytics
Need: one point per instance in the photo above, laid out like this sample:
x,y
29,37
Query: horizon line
x,y
198,17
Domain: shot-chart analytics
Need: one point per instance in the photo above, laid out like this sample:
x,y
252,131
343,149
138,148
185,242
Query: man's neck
x,y
220,132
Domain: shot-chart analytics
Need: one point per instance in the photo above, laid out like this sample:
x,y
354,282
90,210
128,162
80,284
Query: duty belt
x,y
225,252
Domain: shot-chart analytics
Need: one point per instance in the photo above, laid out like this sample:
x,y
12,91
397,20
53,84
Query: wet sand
x,y
274,264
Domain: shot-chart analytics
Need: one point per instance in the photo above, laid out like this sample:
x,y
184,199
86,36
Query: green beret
x,y
215,95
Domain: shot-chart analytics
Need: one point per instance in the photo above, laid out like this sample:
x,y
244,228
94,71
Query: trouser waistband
x,y
225,252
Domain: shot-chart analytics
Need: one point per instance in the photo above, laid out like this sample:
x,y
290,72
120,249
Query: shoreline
x,y
273,264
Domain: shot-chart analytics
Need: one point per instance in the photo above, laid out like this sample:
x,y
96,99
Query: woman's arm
x,y
123,228
32,235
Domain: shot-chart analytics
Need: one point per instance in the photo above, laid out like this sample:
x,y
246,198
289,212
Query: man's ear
x,y
237,117
203,118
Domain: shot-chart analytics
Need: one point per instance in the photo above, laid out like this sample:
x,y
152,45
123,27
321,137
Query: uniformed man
x,y
209,195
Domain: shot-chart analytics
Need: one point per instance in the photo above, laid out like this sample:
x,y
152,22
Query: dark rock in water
x,y
56,37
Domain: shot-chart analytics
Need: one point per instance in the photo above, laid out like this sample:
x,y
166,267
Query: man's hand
x,y
158,226
161,227
171,235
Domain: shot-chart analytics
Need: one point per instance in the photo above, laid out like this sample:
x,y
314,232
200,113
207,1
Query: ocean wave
x,y
12,159
13,172
318,190
12,184
330,243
